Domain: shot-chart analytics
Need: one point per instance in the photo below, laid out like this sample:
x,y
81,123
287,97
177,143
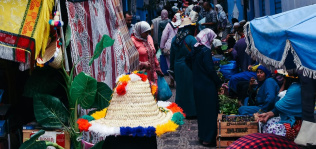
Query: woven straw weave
x,y
136,108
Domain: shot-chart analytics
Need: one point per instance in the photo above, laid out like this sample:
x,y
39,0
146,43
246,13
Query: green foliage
x,y
68,35
98,145
83,89
49,111
33,144
228,105
103,96
106,41
224,62
42,80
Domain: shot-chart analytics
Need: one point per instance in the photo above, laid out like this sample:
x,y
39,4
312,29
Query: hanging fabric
x,y
89,21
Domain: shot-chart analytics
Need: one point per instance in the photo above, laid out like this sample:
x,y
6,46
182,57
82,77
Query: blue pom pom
x,y
125,131
139,131
151,131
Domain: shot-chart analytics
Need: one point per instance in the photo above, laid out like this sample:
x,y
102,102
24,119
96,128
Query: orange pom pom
x,y
144,77
83,124
121,89
154,89
175,108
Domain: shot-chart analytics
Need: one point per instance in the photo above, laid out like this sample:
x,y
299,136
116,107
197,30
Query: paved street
x,y
186,136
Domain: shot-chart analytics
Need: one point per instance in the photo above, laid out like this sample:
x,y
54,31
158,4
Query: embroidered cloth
x,y
24,29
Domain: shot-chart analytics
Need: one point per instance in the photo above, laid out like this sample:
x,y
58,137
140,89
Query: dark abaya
x,y
205,84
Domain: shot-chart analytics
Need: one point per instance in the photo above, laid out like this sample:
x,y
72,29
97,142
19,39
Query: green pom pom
x,y
88,117
178,118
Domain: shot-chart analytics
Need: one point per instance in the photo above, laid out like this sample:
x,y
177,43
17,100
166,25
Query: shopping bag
x,y
307,134
164,92
163,65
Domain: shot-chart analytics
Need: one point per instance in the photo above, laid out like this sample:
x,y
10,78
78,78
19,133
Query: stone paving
x,y
186,136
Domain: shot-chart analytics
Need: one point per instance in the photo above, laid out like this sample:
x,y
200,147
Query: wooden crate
x,y
236,129
58,136
225,141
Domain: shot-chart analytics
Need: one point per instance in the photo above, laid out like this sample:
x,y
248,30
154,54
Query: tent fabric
x,y
89,21
272,39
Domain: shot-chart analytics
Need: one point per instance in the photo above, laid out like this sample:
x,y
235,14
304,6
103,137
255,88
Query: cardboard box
x,y
58,136
2,128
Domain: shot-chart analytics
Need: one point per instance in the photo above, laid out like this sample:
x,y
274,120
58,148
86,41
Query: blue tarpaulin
x,y
284,38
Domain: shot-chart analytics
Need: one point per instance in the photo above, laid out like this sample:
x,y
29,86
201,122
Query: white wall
x,y
292,4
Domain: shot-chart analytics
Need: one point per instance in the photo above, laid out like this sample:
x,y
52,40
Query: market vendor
x,y
289,108
261,97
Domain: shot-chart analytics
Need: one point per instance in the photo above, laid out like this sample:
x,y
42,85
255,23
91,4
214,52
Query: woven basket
x,y
53,56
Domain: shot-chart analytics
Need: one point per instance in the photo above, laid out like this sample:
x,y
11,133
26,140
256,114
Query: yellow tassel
x,y
167,127
99,114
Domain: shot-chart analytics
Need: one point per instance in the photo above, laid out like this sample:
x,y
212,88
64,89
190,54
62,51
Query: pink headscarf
x,y
205,37
164,14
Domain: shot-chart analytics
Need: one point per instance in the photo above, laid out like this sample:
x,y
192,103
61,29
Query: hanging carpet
x,y
89,21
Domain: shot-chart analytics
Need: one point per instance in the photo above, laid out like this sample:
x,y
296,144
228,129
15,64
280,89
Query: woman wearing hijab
x,y
168,33
263,96
162,23
223,23
289,110
205,85
181,45
147,53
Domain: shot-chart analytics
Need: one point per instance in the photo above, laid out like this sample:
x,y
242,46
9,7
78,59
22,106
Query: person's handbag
x,y
158,54
307,134
163,65
164,92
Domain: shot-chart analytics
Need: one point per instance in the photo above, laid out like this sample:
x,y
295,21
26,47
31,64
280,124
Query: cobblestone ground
x,y
186,136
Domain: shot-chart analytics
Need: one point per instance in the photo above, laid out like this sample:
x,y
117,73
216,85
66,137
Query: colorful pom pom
x,y
99,114
83,124
88,117
178,118
167,127
143,76
124,78
121,89
175,108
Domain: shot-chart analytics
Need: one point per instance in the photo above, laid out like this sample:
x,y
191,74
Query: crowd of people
x,y
188,39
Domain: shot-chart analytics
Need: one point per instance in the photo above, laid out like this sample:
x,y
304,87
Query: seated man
x,y
263,96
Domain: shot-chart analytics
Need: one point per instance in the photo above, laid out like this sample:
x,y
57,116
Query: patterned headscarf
x,y
178,21
205,37
183,33
141,27
164,14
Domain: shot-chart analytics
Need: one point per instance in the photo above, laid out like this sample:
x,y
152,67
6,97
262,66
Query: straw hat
x,y
53,55
134,111
186,22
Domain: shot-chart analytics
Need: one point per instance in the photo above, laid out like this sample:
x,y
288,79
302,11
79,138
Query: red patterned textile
x,y
263,141
291,133
89,21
